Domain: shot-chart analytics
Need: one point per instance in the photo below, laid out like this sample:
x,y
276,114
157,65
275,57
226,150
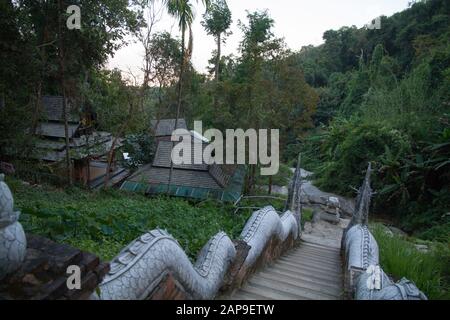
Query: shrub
x,y
106,221
346,148
400,258
141,149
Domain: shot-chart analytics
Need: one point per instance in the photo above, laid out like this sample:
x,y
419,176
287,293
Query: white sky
x,y
300,22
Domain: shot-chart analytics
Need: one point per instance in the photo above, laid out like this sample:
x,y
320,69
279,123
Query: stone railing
x,y
13,243
35,268
364,278
155,266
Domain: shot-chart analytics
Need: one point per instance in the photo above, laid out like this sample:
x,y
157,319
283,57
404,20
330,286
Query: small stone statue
x,y
13,242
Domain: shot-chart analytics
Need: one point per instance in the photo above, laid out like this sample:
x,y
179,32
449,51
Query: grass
x,y
106,221
400,258
307,215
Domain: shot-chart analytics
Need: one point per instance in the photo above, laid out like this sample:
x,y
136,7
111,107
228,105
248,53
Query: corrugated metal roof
x,y
165,127
188,178
141,182
53,108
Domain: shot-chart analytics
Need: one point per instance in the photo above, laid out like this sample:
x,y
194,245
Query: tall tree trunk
x,y
217,73
63,91
252,186
219,40
38,102
37,108
2,100
180,90
270,184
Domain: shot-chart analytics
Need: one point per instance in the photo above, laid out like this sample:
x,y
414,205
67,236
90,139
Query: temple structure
x,y
198,180
88,148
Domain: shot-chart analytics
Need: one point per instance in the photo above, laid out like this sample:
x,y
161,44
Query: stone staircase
x,y
312,271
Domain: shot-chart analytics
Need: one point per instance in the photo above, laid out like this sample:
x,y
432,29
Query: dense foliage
x,y
104,222
37,55
428,270
390,107
364,95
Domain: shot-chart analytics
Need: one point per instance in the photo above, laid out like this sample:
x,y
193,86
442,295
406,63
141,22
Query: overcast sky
x,y
300,22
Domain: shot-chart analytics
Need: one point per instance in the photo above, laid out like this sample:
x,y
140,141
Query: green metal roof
x,y
229,194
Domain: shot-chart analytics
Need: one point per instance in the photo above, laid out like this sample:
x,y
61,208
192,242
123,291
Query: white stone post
x,y
13,243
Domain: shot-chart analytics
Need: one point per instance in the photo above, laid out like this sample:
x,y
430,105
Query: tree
x,y
217,20
145,36
164,66
62,79
40,51
182,10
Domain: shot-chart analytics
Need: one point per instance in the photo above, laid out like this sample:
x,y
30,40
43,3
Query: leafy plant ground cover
x,y
106,221
399,257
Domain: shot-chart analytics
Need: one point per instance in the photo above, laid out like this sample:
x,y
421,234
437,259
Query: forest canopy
x,y
364,95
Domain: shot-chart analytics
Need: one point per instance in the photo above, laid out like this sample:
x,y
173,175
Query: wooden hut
x,y
88,148
197,181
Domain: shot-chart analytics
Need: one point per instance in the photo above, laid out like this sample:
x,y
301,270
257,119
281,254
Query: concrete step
x,y
303,256
306,244
311,262
301,277
300,283
293,290
270,293
244,295
311,266
320,253
310,272
332,278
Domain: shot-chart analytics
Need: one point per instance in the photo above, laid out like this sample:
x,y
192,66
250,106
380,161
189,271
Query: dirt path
x,y
325,233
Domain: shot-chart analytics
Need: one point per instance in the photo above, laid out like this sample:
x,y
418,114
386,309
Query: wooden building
x,y
88,148
197,181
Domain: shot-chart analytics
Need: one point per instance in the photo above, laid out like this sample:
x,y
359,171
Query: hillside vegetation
x,y
105,222
385,98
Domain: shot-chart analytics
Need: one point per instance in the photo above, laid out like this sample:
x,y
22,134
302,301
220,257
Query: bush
x,y
141,149
400,258
343,152
106,221
411,178
307,216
